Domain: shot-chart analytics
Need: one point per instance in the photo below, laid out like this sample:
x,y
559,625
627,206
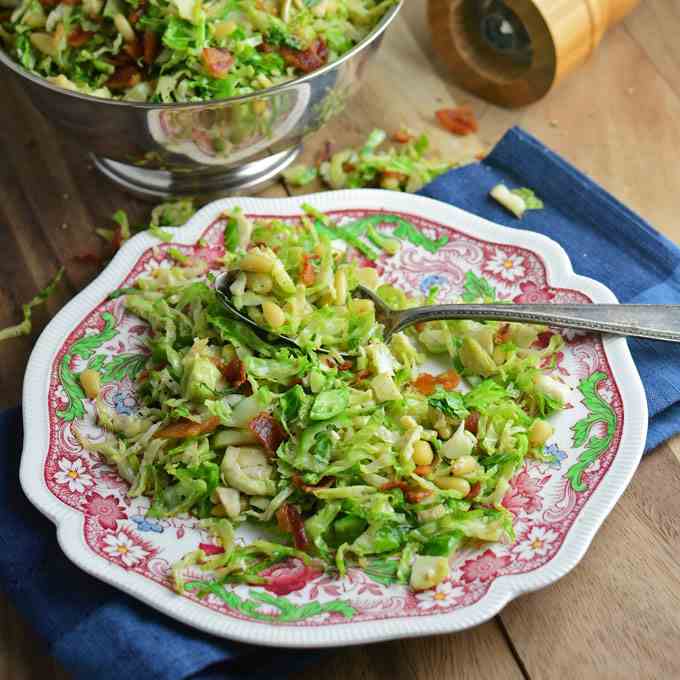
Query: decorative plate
x,y
558,507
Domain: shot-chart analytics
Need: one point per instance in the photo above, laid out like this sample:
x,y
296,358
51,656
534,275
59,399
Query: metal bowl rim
x,y
43,82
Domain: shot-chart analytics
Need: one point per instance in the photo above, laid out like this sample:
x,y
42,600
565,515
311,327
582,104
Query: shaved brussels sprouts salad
x,y
166,51
342,450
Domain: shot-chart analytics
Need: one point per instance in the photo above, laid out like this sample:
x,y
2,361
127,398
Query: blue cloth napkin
x,y
96,631
603,238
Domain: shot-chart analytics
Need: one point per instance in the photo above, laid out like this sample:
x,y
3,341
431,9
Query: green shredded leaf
x,y
530,199
25,327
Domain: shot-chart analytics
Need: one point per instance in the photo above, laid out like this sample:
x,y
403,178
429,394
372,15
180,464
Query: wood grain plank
x,y
472,655
615,615
654,28
22,655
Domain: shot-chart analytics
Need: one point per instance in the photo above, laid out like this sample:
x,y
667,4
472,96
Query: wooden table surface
x,y
617,615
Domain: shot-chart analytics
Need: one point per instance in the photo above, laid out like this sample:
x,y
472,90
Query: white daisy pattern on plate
x,y
536,542
74,474
441,596
122,546
505,266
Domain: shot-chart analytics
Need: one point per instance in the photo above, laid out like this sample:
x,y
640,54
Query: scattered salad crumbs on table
x,y
408,166
26,326
343,449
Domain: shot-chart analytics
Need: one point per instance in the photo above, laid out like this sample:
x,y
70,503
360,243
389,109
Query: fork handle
x,y
658,322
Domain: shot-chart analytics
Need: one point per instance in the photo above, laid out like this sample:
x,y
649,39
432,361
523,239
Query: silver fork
x,y
656,322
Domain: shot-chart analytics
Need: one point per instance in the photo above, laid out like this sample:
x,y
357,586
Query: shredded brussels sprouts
x,y
342,450
405,166
167,51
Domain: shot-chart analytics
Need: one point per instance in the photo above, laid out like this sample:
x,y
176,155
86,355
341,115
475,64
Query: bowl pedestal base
x,y
158,185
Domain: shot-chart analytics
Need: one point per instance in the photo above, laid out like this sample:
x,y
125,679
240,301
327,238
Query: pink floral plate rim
x,y
498,591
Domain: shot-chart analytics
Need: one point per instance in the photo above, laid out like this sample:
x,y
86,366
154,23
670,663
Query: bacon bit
x,y
474,490
234,372
472,422
89,258
282,519
290,520
217,61
134,49
135,16
391,174
415,496
543,340
187,428
117,240
423,470
345,366
388,486
311,59
120,59
211,548
503,334
425,383
324,154
449,380
265,48
402,137
124,78
420,326
460,121
307,274
143,375
78,37
362,375
268,431
299,483
151,47
349,167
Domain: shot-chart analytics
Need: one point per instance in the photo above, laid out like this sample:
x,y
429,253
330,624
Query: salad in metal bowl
x,y
167,51
344,448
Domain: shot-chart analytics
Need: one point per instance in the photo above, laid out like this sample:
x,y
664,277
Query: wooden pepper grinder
x,y
512,52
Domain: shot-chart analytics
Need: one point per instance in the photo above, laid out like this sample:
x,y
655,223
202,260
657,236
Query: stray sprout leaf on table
x,y
517,201
402,167
25,327
530,199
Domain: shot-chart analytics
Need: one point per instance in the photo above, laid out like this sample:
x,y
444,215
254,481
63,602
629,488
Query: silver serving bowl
x,y
218,148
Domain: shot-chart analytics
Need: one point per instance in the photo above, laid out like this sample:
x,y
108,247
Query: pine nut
x,y
362,306
422,453
254,262
464,466
462,486
91,383
259,283
367,276
540,432
273,314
